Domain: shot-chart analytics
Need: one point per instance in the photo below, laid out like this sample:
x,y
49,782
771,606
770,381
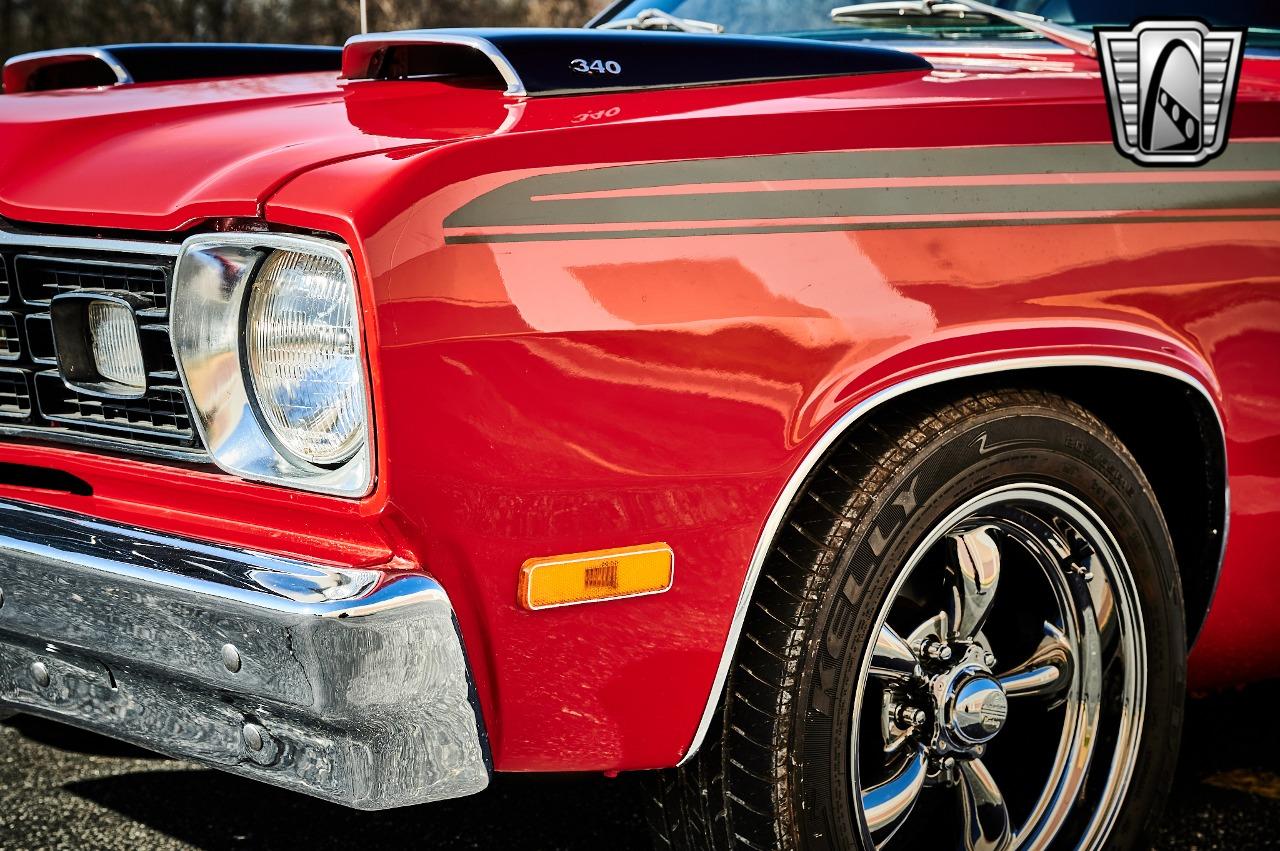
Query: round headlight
x,y
303,351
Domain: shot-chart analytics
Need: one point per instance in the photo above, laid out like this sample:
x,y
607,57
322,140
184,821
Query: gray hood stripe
x,y
732,230
514,205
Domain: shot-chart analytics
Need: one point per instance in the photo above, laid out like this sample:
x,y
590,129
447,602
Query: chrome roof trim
x,y
783,504
368,44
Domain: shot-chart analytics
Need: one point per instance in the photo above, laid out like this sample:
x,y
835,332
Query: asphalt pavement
x,y
64,789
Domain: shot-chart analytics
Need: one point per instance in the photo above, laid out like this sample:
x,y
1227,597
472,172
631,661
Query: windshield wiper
x,y
656,19
1078,40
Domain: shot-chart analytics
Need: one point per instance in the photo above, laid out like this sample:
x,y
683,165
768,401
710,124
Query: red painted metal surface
x,y
558,387
162,157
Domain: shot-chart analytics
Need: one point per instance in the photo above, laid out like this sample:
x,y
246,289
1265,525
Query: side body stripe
x,y
948,187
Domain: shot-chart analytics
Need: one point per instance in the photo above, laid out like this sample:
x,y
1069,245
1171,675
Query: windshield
x,y
812,18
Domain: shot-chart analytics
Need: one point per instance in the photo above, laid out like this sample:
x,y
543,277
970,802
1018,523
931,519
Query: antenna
x,y
364,16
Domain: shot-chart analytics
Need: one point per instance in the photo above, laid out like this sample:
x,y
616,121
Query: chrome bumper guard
x,y
309,677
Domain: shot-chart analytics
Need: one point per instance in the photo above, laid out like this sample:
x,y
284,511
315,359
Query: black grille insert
x,y
10,345
41,278
15,395
36,402
163,409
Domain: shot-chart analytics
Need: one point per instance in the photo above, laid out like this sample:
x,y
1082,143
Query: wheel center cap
x,y
978,711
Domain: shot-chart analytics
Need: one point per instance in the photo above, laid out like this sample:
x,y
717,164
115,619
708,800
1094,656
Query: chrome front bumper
x,y
308,677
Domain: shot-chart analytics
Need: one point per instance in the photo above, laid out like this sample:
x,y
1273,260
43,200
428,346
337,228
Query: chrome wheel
x,y
1000,705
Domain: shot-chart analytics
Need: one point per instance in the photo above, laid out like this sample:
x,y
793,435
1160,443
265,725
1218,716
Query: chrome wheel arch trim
x,y
869,405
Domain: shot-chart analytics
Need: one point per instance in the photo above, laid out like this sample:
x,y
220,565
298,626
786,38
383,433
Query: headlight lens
x,y
266,333
302,343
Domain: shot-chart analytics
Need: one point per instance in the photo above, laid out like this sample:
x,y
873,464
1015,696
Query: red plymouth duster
x,y
820,408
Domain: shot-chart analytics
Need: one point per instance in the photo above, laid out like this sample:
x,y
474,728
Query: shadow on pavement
x,y
1226,796
1227,792
211,810
73,740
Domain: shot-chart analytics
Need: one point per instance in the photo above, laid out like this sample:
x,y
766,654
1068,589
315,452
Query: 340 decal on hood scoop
x,y
542,62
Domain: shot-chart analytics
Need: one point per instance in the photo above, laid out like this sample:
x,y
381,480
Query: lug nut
x,y
936,651
1082,569
910,716
990,660
949,764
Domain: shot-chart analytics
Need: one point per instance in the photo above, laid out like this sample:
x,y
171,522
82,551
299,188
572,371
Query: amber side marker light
x,y
570,580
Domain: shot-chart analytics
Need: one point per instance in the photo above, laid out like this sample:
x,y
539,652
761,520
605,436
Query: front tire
x,y
969,634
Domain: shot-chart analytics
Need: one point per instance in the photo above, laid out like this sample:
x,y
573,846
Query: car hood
x,y
162,156
159,157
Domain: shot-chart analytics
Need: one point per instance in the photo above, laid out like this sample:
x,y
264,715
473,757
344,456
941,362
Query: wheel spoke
x,y
887,805
894,739
975,558
935,628
986,819
892,658
1090,695
1048,672
894,734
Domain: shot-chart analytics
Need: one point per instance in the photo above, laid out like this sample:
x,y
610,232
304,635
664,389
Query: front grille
x,y
34,400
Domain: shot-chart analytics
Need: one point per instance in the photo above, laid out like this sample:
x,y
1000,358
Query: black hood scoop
x,y
125,64
536,62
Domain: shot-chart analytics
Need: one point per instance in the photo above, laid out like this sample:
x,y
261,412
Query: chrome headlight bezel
x,y
213,282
